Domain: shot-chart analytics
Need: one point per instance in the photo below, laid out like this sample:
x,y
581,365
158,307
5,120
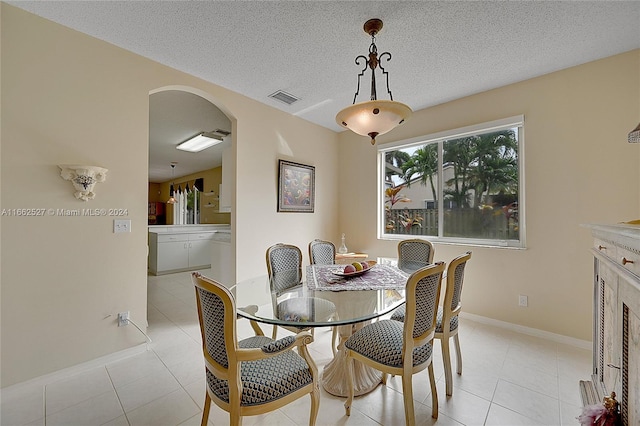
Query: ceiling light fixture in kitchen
x,y
200,142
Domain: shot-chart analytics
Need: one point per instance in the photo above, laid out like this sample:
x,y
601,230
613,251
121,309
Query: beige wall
x,y
579,169
69,98
155,193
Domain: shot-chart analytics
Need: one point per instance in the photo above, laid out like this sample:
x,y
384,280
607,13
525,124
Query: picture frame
x,y
296,187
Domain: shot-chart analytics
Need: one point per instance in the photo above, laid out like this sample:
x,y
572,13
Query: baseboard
x,y
79,368
558,338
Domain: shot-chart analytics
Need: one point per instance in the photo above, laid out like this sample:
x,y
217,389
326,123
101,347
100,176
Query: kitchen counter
x,y
182,229
176,248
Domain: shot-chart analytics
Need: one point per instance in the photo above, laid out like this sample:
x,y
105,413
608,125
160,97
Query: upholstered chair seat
x,y
265,380
251,376
388,335
448,312
402,348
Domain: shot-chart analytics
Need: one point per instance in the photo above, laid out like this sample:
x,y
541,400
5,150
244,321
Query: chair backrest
x,y
414,254
322,252
455,277
217,317
284,266
421,306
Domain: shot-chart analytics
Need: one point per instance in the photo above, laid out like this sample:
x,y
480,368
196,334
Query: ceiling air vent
x,y
221,132
284,97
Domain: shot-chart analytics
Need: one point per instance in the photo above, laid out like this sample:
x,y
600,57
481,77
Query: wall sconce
x,y
634,135
83,179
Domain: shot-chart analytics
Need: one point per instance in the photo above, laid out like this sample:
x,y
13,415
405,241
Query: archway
x,y
177,113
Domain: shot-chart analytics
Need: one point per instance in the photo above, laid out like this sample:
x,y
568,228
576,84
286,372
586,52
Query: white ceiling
x,y
441,50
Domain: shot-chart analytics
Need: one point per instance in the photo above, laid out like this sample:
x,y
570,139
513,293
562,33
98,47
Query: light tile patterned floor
x,y
508,379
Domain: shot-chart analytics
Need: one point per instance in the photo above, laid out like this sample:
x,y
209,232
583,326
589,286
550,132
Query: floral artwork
x,y
296,187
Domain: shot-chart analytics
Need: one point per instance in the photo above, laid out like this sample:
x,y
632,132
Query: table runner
x,y
322,278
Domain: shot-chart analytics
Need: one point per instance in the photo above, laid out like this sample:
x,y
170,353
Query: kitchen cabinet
x,y
199,253
171,255
222,264
173,252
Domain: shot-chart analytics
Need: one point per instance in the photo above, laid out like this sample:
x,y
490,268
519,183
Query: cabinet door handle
x,y
625,261
602,248
185,245
613,366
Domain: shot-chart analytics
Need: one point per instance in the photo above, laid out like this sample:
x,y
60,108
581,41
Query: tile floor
x,y
508,379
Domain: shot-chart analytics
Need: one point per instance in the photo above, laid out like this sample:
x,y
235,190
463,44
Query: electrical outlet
x,y
123,319
121,225
523,301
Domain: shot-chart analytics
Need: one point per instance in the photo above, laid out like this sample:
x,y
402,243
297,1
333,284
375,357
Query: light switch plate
x,y
523,301
121,225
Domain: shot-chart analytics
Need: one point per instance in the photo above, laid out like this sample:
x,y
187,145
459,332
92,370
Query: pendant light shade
x,y
374,117
172,199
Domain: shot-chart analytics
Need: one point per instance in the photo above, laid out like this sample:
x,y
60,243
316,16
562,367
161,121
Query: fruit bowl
x,y
341,273
351,274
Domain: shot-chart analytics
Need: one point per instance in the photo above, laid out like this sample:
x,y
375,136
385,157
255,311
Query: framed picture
x,y
296,187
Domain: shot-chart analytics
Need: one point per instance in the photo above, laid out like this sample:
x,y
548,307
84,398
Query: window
x,y
459,186
186,210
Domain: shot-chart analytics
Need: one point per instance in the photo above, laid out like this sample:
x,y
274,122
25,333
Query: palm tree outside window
x,y
461,185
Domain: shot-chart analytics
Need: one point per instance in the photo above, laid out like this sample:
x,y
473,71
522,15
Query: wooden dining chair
x,y
414,254
448,314
324,253
402,349
284,267
255,375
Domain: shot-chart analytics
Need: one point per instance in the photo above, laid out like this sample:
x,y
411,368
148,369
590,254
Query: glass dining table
x,y
324,296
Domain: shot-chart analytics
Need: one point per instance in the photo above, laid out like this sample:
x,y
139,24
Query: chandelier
x,y
374,117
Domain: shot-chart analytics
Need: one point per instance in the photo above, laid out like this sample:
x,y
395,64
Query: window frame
x,y
439,138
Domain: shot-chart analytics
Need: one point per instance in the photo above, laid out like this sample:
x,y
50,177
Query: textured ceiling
x,y
441,50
